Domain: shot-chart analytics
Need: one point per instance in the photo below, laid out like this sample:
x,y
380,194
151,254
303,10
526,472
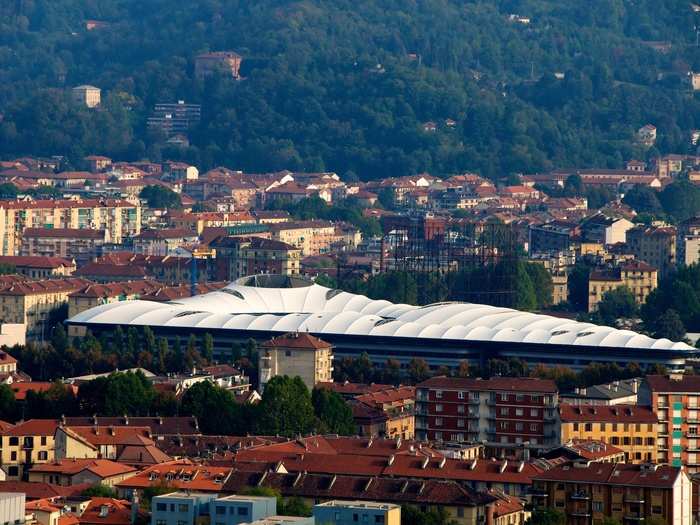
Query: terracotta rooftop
x,y
157,425
35,490
33,427
673,383
622,474
389,396
606,413
180,475
35,261
300,340
514,384
103,468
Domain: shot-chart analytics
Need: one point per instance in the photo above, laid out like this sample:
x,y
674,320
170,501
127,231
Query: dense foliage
x,y
676,298
348,86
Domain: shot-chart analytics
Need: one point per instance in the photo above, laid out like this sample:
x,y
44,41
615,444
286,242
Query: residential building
x,y
624,391
242,256
226,63
68,472
507,413
180,508
646,135
110,511
120,218
88,96
337,512
582,450
551,237
181,475
30,303
605,229
631,428
12,507
589,493
8,364
180,171
688,241
199,221
637,276
39,266
675,399
97,163
394,408
80,245
174,118
655,245
296,354
99,442
163,241
232,510
25,445
311,237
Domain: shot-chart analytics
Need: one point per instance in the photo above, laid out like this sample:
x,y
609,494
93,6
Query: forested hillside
x,y
347,85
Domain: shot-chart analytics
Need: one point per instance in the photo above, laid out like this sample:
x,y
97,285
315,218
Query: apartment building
x,y
393,410
632,428
506,413
198,221
164,241
675,399
639,277
226,63
296,354
120,218
311,237
618,392
241,256
688,241
39,267
589,492
654,245
76,471
30,303
80,245
88,96
604,229
352,512
25,445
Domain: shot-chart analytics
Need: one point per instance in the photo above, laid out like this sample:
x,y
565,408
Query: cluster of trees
x,y
287,407
676,202
160,197
674,307
361,370
348,210
574,187
509,283
63,356
347,86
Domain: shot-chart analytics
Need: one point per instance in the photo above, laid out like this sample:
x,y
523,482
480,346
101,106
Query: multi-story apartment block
x,y
632,428
174,118
190,508
163,242
198,221
605,230
688,241
506,413
296,354
395,410
81,245
39,267
30,303
311,237
589,492
618,392
551,237
654,245
675,399
352,512
242,256
640,278
120,218
26,444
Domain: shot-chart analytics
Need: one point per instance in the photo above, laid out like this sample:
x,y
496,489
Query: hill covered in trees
x,y
347,86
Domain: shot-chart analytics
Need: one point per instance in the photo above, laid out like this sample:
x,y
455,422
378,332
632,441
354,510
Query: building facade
x,y
88,96
631,428
638,277
654,245
352,512
81,245
506,413
296,354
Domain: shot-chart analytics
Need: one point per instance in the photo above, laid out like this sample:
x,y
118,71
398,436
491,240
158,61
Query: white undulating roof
x,y
320,310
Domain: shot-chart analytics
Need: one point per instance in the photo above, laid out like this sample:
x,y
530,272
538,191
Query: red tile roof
x,y
21,389
33,427
35,490
103,468
113,435
392,395
181,475
655,476
353,389
676,384
35,261
514,384
118,512
300,340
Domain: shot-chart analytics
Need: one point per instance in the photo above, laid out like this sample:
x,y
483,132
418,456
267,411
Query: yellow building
x,y
397,408
296,354
588,493
311,237
27,444
631,428
120,218
69,472
88,96
31,302
654,245
637,276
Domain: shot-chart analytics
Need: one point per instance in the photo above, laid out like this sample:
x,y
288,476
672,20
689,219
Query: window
x,y
602,427
13,471
288,353
161,522
597,506
460,423
379,518
220,510
519,397
438,408
460,409
533,427
518,411
183,507
438,394
43,441
355,517
588,427
504,425
614,427
656,509
43,455
460,395
504,411
504,396
626,440
438,421
534,412
14,441
13,456
242,511
161,507
575,427
518,427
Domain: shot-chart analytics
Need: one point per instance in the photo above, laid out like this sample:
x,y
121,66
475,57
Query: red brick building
x,y
507,413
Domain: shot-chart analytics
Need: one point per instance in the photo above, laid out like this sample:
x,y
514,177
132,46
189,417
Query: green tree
x,y
208,347
285,408
669,325
8,406
333,413
8,191
418,370
546,516
617,303
215,409
99,490
160,197
411,515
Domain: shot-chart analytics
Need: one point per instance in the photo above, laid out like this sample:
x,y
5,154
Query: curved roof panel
x,y
252,304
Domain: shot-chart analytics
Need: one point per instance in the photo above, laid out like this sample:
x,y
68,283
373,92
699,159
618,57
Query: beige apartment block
x,y
296,354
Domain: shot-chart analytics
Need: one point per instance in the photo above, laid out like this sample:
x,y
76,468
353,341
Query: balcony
x,y
580,514
634,499
580,496
634,517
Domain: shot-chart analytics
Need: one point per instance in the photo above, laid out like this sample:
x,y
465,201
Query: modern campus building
x,y
264,306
